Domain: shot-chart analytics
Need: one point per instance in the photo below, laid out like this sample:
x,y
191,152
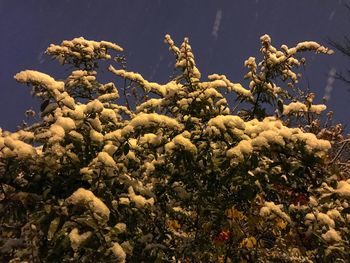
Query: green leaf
x,y
46,192
327,198
126,148
280,105
47,208
346,210
44,105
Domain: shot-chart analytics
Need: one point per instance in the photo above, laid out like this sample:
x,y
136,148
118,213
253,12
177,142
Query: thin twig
x,y
345,142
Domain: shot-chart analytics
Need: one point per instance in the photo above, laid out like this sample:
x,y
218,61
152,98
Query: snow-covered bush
x,y
186,171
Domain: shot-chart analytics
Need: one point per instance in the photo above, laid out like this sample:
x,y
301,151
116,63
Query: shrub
x,y
187,171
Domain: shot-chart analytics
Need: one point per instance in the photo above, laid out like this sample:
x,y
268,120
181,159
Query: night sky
x,y
222,34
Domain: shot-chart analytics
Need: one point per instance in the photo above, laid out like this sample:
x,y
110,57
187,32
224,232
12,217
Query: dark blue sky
x,y
222,34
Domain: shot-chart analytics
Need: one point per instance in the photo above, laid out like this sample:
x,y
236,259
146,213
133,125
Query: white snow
x,y
242,149
77,136
226,122
96,136
124,201
88,199
82,78
106,159
108,97
76,239
320,217
265,38
36,77
67,100
271,208
149,104
118,252
66,123
144,120
318,109
343,188
108,92
272,136
57,133
171,44
325,219
297,107
18,148
77,113
79,47
311,45
94,106
294,107
334,214
139,200
331,236
184,141
236,87
167,89
95,124
120,227
151,139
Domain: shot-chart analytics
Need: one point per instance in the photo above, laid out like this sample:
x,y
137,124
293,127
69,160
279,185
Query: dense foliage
x,y
187,171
